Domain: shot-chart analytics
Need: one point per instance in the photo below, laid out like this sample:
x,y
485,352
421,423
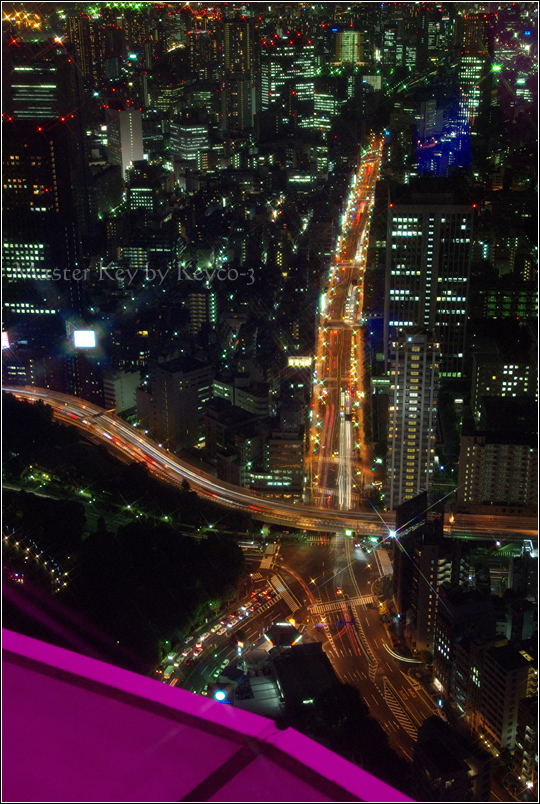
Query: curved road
x,y
120,436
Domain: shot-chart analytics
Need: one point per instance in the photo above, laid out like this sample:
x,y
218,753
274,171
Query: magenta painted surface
x,y
104,734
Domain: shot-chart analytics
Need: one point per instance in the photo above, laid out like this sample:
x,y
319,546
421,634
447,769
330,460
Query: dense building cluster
x,y
175,182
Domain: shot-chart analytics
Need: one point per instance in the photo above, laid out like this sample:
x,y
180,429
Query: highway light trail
x,y
129,442
338,383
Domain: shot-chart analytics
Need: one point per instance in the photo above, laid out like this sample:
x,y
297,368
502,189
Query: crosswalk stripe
x,y
270,603
355,601
398,711
287,596
289,601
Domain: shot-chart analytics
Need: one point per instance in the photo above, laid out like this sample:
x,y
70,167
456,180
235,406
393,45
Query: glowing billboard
x,y
84,338
299,361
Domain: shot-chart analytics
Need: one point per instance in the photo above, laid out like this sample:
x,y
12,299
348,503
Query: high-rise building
x,y
508,676
45,193
119,390
237,105
523,575
492,469
80,36
411,520
287,77
202,310
389,45
465,627
238,97
498,463
84,376
424,561
510,299
284,462
275,70
436,560
474,82
35,82
303,72
188,142
414,379
476,31
124,137
474,68
23,366
479,670
496,374
143,184
428,256
238,47
180,389
203,53
350,47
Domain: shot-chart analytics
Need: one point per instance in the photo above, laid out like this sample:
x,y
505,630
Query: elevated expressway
x,y
336,433
123,438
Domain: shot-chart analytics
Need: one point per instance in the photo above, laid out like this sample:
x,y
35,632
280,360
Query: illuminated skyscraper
x,y
238,52
237,76
474,70
45,199
237,109
79,33
189,141
287,78
424,560
414,377
350,47
428,256
275,71
203,49
180,390
202,310
476,33
124,136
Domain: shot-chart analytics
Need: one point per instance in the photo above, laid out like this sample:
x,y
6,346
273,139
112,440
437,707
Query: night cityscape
x,y
270,401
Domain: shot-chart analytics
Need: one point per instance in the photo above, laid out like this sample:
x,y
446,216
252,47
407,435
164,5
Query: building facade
x,y
124,137
428,256
494,469
414,378
180,389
